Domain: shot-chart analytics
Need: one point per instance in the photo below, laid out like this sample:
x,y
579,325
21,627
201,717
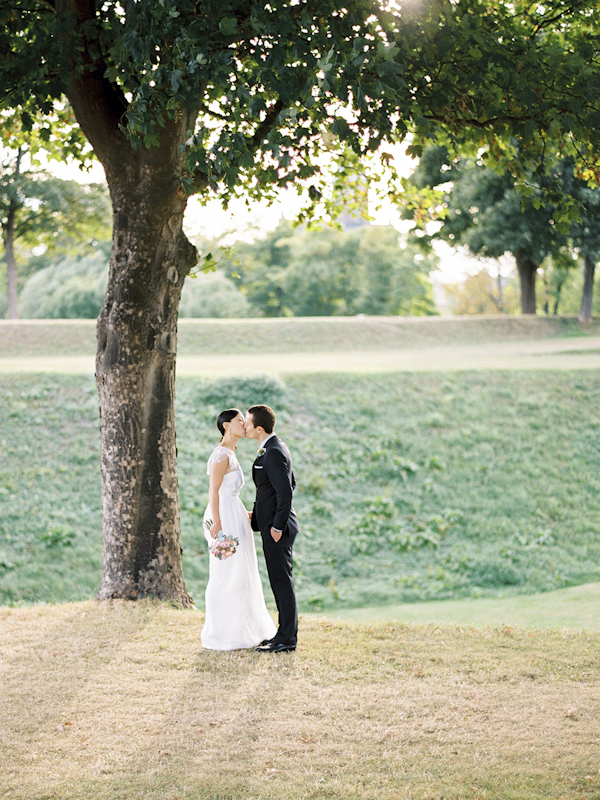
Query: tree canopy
x,y
267,89
331,272
44,213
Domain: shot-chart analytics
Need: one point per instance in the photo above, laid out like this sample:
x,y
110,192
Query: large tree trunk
x,y
135,373
527,275
587,297
11,265
137,334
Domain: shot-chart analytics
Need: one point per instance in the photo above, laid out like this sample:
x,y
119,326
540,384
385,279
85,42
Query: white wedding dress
x,y
236,614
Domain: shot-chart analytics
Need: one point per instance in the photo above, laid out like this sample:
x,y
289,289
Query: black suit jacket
x,y
274,479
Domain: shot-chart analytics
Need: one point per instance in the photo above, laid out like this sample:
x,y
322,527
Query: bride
x,y
236,614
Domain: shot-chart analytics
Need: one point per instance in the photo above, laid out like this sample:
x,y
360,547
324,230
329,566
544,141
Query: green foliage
x,y
212,295
270,88
332,272
483,210
483,294
57,215
243,392
72,288
382,528
39,213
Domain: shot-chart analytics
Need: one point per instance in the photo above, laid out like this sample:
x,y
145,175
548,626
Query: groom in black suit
x,y
276,520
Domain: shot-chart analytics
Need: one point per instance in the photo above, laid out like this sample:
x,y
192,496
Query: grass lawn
x,y
411,486
577,607
26,338
425,473
292,347
119,701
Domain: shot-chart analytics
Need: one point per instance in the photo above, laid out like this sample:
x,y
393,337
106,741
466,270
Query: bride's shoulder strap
x,y
220,453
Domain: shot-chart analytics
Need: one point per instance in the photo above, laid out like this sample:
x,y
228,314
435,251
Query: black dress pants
x,y
278,557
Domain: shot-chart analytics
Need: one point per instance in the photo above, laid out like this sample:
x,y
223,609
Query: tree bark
x,y
137,334
500,302
587,297
11,265
8,231
527,275
135,375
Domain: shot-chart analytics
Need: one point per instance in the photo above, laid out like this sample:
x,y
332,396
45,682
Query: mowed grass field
x,y
117,701
450,544
210,348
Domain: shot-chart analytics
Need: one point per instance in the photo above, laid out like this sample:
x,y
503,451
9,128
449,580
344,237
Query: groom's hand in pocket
x,y
276,534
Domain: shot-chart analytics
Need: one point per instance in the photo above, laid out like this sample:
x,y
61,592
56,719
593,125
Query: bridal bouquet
x,y
223,546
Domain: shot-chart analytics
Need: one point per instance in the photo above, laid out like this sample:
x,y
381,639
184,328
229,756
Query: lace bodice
x,y
220,453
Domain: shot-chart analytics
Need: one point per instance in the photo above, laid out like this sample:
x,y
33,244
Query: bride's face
x,y
237,427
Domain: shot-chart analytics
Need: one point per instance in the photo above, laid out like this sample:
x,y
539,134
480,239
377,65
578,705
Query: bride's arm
x,y
217,473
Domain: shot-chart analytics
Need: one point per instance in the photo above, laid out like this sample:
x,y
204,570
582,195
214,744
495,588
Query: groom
x,y
276,520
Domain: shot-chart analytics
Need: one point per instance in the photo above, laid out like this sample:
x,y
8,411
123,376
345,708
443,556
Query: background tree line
x,y
56,237
57,250
549,230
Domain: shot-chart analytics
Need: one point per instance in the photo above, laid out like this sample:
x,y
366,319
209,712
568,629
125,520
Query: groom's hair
x,y
226,416
263,416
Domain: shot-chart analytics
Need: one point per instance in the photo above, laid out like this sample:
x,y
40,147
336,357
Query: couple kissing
x,y
236,614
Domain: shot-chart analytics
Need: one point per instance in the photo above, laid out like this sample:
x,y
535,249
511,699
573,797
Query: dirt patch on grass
x,y
119,700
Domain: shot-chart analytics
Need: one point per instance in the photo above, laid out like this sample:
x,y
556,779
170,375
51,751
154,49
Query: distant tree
x,y
334,272
585,236
395,274
39,211
556,272
483,210
68,288
482,294
322,275
213,295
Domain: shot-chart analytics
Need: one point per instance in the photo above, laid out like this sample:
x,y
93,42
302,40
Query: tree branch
x,y
206,110
200,179
266,125
98,104
544,23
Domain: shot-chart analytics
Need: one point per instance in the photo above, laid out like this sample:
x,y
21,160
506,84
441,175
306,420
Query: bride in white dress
x,y
236,614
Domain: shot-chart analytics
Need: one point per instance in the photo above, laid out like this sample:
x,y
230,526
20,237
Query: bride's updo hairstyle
x,y
226,416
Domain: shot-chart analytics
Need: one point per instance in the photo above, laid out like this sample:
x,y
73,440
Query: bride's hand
x,y
215,528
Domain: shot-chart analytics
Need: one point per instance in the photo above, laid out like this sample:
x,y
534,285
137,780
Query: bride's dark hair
x,y
226,416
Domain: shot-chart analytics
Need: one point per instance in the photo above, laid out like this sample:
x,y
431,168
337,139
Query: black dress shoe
x,y
266,641
275,647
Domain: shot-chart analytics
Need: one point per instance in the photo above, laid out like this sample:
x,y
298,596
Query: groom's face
x,y
251,431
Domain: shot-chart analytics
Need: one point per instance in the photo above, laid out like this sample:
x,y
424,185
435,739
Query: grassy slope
x,y
118,701
411,487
